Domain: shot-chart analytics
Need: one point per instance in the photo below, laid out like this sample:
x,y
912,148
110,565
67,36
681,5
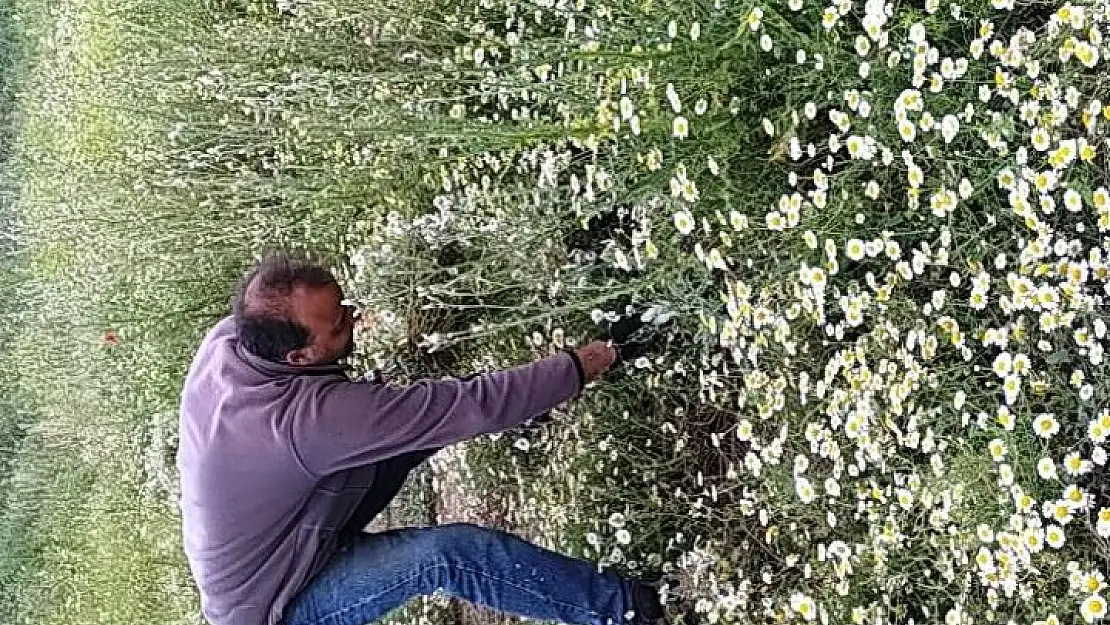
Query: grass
x,y
491,180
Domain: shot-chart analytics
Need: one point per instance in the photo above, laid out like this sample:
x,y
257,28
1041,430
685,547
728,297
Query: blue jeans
x,y
372,574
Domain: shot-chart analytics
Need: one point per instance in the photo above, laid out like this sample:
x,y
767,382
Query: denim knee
x,y
451,538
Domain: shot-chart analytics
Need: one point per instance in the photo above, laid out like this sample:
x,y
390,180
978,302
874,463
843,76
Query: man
x,y
284,460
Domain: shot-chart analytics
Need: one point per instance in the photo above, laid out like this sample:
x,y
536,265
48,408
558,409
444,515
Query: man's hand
x,y
596,358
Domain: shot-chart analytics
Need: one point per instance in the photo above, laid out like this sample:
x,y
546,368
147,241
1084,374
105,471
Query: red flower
x,y
110,338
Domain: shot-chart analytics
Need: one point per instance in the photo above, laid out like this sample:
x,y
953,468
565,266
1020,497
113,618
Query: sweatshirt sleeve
x,y
343,425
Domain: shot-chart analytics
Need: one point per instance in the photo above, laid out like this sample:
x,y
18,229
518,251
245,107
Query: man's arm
x,y
348,424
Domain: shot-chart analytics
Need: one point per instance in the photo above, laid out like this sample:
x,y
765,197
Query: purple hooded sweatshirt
x,y
274,458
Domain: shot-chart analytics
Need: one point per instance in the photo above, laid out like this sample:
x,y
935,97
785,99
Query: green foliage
x,y
493,179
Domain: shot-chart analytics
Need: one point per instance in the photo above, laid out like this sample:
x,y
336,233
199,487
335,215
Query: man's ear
x,y
299,357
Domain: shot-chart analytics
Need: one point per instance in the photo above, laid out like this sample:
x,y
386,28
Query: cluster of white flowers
x,y
905,330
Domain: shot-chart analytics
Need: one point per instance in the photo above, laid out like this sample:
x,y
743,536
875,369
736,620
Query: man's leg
x,y
379,572
391,476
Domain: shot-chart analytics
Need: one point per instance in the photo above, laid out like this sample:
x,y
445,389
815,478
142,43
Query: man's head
x,y
290,310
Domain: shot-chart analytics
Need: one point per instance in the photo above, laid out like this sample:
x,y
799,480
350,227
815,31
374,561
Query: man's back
x,y
253,516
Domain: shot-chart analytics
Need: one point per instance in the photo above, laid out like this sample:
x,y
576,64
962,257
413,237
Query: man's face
x,y
329,322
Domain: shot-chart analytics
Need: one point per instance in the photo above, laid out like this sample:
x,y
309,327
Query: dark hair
x,y
263,315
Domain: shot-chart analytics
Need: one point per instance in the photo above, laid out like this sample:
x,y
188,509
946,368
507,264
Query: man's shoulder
x,y
217,339
224,327
222,331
